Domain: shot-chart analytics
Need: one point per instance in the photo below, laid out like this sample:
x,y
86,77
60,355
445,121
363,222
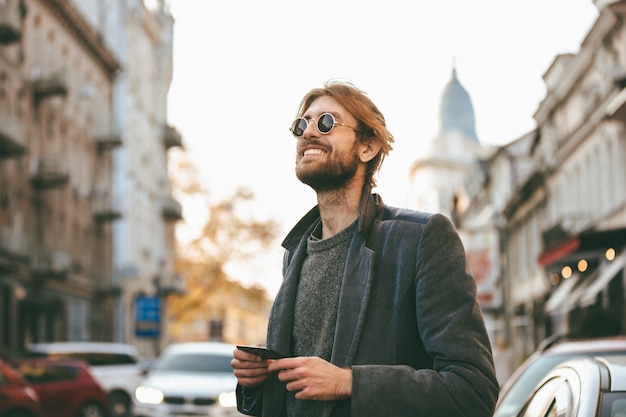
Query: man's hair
x,y
371,122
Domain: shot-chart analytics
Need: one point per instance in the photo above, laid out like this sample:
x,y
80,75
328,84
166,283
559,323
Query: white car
x,y
116,366
189,379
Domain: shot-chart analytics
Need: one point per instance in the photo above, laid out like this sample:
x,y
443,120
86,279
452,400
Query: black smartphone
x,y
262,351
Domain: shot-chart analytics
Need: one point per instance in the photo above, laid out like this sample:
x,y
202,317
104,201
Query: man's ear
x,y
369,149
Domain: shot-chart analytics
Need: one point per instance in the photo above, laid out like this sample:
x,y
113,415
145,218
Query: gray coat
x,y
408,322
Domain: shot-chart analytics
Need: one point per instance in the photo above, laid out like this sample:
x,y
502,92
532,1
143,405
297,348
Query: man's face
x,y
327,162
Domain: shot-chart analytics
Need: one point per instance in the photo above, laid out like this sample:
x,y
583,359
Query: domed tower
x,y
436,177
456,112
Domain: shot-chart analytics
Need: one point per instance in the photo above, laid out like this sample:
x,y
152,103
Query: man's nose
x,y
311,129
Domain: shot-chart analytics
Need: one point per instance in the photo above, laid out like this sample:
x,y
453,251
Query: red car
x,y
17,399
66,388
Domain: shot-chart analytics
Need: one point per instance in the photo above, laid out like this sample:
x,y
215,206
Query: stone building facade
x,y
557,198
56,170
87,216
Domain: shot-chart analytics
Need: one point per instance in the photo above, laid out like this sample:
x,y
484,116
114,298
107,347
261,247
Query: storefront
x,y
586,272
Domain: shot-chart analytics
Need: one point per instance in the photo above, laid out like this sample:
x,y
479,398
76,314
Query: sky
x,y
241,68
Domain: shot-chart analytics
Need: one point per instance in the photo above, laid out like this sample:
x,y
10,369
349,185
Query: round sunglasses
x,y
325,124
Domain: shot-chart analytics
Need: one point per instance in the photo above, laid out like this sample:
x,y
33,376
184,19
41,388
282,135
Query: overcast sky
x,y
242,66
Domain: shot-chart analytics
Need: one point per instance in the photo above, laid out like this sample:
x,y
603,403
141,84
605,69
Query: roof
x,y
608,344
456,112
91,347
201,347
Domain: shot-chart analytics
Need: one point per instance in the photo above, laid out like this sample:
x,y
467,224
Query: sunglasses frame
x,y
317,126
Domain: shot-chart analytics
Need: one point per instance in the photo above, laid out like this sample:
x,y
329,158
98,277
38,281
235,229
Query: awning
x,y
607,273
590,242
559,296
559,252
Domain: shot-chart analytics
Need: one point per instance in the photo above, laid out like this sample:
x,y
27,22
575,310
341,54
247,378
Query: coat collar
x,y
356,286
369,205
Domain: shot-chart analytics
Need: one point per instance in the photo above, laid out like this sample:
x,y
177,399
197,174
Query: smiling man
x,y
377,312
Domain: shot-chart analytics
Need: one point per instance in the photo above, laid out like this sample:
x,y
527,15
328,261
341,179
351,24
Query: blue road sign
x,y
147,317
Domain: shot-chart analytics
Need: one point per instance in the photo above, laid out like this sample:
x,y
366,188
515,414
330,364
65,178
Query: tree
x,y
230,235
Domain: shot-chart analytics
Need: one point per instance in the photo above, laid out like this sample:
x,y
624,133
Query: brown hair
x,y
371,121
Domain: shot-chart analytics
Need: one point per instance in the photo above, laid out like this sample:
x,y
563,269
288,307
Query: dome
x,y
456,112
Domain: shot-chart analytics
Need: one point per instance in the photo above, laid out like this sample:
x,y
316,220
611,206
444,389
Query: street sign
x,y
147,317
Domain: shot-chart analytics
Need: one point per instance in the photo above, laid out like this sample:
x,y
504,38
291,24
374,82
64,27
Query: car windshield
x,y
519,392
194,362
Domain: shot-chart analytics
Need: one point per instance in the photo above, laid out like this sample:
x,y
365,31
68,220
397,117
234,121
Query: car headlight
x,y
148,395
227,399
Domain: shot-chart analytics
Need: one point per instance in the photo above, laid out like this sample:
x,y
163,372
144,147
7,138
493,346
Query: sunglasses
x,y
325,124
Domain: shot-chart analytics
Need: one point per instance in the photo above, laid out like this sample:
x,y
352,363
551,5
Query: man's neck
x,y
339,208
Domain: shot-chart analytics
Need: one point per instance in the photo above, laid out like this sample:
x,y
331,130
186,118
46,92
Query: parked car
x,y
520,385
116,366
193,378
17,398
65,387
588,387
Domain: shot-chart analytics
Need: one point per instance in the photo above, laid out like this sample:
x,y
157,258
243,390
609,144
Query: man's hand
x,y
250,369
313,378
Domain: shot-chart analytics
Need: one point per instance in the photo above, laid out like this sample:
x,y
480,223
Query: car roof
x,y
91,347
201,347
53,361
587,346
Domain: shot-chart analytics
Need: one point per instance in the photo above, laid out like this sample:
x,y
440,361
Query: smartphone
x,y
261,351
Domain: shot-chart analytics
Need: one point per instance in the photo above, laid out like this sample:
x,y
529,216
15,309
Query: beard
x,y
330,176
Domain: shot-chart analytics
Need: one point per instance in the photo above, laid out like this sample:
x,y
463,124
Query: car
x,y
66,388
17,398
584,387
116,366
191,379
551,353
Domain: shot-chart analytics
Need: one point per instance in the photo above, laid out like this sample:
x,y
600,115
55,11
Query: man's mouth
x,y
313,152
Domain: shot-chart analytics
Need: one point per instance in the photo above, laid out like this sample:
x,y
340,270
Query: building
x,y
557,197
56,175
144,243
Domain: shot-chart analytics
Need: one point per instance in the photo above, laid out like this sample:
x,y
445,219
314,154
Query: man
x,y
377,311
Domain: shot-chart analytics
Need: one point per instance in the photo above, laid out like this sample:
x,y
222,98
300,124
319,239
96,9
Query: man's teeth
x,y
314,152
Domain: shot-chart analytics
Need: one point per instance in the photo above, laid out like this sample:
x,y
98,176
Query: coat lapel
x,y
355,292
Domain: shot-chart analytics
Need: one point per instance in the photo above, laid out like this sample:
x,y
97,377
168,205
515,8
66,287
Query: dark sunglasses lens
x,y
299,126
325,123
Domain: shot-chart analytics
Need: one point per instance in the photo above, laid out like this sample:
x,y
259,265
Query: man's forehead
x,y
325,104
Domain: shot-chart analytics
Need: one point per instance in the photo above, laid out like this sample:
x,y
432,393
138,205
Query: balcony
x,y
52,263
48,173
108,285
106,208
13,244
171,137
108,141
172,285
48,85
172,210
10,21
12,136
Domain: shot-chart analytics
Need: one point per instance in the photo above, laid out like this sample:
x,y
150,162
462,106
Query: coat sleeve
x,y
249,400
462,380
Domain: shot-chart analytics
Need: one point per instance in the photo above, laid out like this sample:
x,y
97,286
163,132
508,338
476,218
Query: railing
x,y
106,207
13,243
172,209
171,137
12,137
49,172
10,19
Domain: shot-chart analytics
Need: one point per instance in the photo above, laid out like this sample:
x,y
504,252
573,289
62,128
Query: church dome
x,y
456,112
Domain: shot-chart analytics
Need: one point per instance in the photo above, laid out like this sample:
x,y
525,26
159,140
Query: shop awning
x,y
561,251
561,294
607,273
576,247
